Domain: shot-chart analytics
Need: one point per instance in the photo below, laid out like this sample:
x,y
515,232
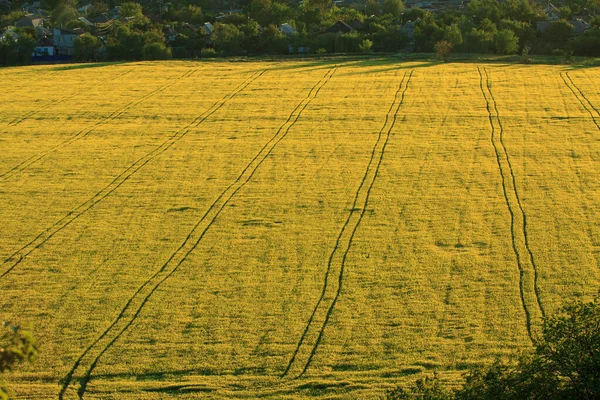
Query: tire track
x,y
528,273
18,256
86,131
585,102
28,115
136,303
313,332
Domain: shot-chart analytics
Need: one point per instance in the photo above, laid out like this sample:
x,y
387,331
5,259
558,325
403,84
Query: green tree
x,y
558,33
372,7
86,47
64,12
453,35
393,7
8,51
506,42
228,38
16,346
25,47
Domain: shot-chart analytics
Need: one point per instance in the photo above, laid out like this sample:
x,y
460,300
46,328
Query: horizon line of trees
x,y
483,26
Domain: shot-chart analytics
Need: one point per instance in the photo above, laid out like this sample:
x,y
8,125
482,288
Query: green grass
x,y
290,229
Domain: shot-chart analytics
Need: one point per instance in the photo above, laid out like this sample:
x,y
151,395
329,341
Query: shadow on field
x,y
191,388
90,65
388,64
157,376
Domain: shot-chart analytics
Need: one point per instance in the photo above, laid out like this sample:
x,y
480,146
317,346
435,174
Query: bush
x,y
156,51
443,49
208,52
366,46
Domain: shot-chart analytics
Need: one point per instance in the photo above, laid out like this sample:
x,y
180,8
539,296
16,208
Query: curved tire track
x,y
17,257
136,303
528,272
313,332
585,102
84,132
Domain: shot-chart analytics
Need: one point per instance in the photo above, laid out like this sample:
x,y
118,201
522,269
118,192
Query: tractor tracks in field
x,y
589,107
528,271
581,97
86,131
90,357
332,284
18,256
26,116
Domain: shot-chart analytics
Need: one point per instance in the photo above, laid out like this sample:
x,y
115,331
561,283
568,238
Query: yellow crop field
x,y
290,229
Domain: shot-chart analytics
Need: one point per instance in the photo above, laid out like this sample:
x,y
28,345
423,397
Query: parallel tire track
x,y
585,102
17,257
28,115
528,272
136,303
86,131
332,286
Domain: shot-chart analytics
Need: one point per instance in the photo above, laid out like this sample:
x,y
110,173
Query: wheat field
x,y
290,229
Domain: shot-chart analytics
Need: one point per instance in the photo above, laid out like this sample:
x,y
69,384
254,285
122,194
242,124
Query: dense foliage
x,y
16,346
159,30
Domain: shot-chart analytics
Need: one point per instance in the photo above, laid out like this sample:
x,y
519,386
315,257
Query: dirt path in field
x,y
585,102
86,131
87,361
332,285
528,272
18,256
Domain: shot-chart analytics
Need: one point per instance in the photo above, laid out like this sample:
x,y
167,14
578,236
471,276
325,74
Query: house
x,y
5,6
102,19
87,22
64,40
9,33
287,29
207,28
408,29
43,32
551,12
44,48
170,33
29,21
357,24
85,10
579,26
339,27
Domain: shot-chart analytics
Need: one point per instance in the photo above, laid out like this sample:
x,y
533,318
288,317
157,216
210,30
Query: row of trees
x,y
483,26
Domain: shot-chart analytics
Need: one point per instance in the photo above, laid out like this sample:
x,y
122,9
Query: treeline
x,y
159,30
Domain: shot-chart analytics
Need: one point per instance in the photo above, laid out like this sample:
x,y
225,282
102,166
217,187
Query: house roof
x,y
7,32
45,41
208,28
42,32
579,26
287,29
340,27
101,19
29,20
65,31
